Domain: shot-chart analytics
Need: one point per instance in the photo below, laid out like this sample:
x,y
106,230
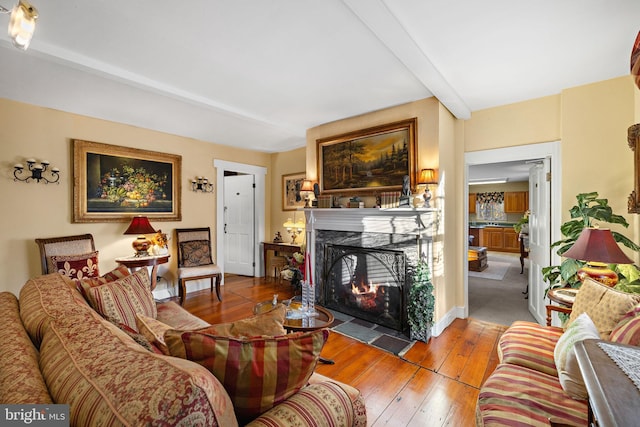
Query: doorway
x,y
258,174
551,152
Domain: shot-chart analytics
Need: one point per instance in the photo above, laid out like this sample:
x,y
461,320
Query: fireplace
x,y
367,283
355,252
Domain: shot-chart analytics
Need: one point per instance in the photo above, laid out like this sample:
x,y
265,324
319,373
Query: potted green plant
x,y
522,223
421,303
589,211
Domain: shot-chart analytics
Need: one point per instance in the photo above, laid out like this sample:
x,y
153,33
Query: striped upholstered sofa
x,y
55,348
537,381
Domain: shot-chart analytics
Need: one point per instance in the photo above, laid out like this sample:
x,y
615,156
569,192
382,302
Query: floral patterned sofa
x,y
538,381
57,349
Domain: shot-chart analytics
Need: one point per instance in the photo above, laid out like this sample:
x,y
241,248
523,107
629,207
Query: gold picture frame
x,y
369,160
291,198
633,138
112,183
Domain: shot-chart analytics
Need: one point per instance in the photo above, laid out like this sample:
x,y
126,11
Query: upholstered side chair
x,y
194,259
66,245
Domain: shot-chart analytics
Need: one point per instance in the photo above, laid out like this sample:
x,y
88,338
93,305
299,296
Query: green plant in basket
x,y
589,211
421,303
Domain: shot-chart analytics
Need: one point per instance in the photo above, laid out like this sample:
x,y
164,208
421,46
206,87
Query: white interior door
x,y
539,235
239,225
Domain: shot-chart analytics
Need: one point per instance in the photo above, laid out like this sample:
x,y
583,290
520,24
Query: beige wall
x,y
38,210
285,163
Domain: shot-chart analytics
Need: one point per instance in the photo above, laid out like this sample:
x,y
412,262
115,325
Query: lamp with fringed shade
x,y
597,247
140,226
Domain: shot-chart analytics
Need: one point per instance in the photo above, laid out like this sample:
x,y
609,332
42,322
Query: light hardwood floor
x,y
434,384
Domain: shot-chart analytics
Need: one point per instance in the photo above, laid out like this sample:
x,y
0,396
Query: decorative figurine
x,y
278,238
405,197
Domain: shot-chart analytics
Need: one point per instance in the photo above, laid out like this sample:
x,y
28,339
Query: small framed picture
x,y
291,198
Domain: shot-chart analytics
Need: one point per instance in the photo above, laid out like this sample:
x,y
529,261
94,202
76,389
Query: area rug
x,y
495,271
369,333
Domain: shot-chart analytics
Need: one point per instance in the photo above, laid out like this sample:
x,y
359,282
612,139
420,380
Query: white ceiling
x,y
257,73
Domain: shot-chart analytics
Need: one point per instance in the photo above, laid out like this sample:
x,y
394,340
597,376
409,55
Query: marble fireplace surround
x,y
407,229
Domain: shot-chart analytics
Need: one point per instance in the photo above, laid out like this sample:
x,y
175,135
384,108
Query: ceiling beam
x,y
387,28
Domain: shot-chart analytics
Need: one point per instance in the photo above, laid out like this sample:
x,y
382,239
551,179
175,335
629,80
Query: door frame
x,y
498,155
259,173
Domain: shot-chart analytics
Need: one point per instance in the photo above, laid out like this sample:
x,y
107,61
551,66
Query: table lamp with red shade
x,y
140,226
597,247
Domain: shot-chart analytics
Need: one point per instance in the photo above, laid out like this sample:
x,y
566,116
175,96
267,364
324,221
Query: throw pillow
x,y
627,331
76,266
269,323
120,300
91,282
195,253
565,357
258,373
604,305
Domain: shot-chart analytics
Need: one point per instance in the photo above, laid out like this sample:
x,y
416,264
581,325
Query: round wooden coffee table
x,y
323,319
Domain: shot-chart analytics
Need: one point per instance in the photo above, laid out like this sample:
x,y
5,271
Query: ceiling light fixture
x,y
488,181
22,23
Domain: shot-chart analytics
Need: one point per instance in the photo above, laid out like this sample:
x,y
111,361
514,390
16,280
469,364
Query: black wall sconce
x,y
201,184
37,172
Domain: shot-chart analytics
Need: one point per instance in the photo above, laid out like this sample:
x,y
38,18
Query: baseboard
x,y
447,319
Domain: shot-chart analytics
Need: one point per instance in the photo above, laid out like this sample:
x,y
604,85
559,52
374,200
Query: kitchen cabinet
x,y
472,202
492,238
511,242
475,233
516,201
503,239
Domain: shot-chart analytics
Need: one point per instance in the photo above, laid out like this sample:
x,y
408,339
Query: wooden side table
x,y
276,248
133,263
562,296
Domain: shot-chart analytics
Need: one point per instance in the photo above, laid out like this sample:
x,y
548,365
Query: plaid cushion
x,y
195,253
119,301
91,282
530,345
258,373
627,331
76,266
518,396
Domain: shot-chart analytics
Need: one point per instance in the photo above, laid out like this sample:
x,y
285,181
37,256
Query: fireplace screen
x,y
366,283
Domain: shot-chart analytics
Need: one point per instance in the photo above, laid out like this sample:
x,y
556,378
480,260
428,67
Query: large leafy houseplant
x,y
588,212
421,302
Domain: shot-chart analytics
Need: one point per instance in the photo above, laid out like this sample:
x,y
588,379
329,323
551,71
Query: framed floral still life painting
x,y
114,183
291,198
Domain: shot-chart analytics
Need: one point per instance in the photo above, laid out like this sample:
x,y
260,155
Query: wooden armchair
x,y
66,245
194,259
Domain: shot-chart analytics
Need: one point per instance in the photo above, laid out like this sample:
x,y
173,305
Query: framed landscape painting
x,y
369,160
114,183
291,198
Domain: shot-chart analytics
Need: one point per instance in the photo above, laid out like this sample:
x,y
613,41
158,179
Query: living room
x,y
589,120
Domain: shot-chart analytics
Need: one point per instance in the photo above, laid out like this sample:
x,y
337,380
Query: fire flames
x,y
366,295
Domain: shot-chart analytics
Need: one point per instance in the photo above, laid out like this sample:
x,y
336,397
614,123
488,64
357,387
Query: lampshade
x,y
22,24
140,225
307,185
598,248
428,176
597,244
